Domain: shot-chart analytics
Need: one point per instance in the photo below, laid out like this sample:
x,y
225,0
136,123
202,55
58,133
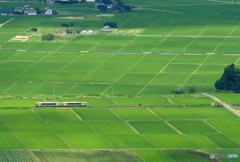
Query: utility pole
x,y
112,89
54,89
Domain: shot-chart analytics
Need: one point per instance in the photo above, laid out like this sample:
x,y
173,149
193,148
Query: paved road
x,y
229,107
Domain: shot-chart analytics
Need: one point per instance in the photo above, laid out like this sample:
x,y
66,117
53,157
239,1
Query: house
x,y
47,11
50,1
110,6
18,9
106,28
29,10
99,4
6,12
28,7
90,1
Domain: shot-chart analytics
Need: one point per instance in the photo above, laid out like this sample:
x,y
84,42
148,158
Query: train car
x,y
74,104
48,104
61,104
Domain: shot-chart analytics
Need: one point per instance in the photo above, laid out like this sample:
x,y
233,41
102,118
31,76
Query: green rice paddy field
x,y
40,73
160,133
131,114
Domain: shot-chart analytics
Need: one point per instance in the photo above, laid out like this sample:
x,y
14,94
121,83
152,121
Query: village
x,y
25,10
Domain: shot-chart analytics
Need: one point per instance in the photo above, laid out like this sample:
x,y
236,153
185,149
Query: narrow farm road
x,y
229,107
1,25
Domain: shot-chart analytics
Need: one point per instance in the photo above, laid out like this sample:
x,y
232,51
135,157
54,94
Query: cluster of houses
x,y
25,10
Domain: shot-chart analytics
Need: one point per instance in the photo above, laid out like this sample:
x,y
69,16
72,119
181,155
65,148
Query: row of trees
x,y
230,79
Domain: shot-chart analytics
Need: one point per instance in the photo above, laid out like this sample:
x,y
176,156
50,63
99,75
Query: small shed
x,y
47,11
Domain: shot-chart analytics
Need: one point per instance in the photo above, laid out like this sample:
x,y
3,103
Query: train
x,y
61,104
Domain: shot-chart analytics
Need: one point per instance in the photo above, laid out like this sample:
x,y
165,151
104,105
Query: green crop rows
x,y
119,128
126,76
36,73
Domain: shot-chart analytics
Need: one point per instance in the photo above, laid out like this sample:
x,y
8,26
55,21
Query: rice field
x,y
35,73
116,128
126,76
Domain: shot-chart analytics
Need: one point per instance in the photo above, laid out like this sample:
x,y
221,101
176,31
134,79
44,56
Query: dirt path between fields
x,y
229,107
1,25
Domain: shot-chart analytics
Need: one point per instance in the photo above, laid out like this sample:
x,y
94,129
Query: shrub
x,y
191,89
179,91
47,37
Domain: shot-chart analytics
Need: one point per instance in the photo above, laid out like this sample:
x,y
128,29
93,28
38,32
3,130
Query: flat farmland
x,y
186,29
127,76
110,74
116,128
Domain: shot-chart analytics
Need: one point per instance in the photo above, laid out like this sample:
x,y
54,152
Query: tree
x,y
111,24
106,2
230,79
127,8
46,37
33,29
102,8
220,84
54,12
191,89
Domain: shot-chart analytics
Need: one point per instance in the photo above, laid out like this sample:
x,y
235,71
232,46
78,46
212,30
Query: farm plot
x,y
153,90
186,155
173,141
202,141
223,141
153,155
230,98
71,127
169,78
189,101
86,155
160,101
123,90
43,141
174,113
101,114
16,155
129,141
30,56
199,45
212,112
152,127
56,115
226,126
111,128
7,55
14,115
193,127
11,142
135,114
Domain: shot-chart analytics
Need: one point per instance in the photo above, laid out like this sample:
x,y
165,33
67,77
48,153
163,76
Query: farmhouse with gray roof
x,y
6,12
